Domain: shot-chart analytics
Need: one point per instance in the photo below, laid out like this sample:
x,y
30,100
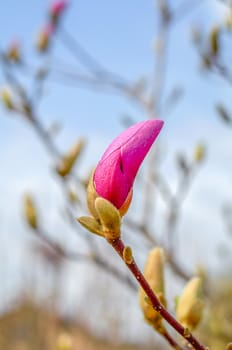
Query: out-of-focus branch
x,y
185,8
99,77
222,71
89,257
93,256
160,59
174,205
85,58
119,247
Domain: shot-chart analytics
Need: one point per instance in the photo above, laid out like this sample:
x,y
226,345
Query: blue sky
x,y
119,34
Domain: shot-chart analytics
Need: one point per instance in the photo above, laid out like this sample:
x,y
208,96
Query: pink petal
x,y
58,7
47,29
116,171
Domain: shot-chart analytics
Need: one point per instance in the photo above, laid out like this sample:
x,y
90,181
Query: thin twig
x,y
85,58
183,9
90,257
119,247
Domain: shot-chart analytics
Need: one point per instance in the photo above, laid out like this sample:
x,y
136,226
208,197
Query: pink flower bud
x,y
48,29
58,7
115,173
13,51
44,36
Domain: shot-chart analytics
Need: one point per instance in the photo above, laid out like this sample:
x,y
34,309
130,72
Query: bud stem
x,y
118,245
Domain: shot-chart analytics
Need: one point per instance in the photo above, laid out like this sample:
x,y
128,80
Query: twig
x,y
53,150
90,257
84,57
223,72
186,7
119,247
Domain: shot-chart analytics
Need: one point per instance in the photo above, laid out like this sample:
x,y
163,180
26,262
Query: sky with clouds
x,y
120,34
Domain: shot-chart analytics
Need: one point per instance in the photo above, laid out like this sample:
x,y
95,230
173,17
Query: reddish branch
x,y
118,245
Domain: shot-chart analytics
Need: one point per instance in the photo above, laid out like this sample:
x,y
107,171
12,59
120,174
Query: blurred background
x,y
71,81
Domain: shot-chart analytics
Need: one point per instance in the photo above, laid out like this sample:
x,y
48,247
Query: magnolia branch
x,y
119,247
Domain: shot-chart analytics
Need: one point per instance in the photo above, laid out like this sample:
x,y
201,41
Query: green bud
x,y
214,40
127,255
91,197
199,153
109,217
30,212
190,305
154,274
228,20
7,99
13,53
72,195
64,342
68,160
91,224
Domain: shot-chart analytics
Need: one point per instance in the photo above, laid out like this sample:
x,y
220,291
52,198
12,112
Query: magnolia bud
x,y
72,196
199,153
56,10
116,171
64,342
214,40
30,212
228,20
43,38
128,255
68,160
154,274
7,99
190,304
13,52
92,195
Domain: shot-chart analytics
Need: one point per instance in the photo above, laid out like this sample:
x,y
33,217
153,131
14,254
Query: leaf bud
x,y
69,159
64,342
7,99
199,153
30,212
128,255
214,40
190,304
109,217
91,224
154,274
